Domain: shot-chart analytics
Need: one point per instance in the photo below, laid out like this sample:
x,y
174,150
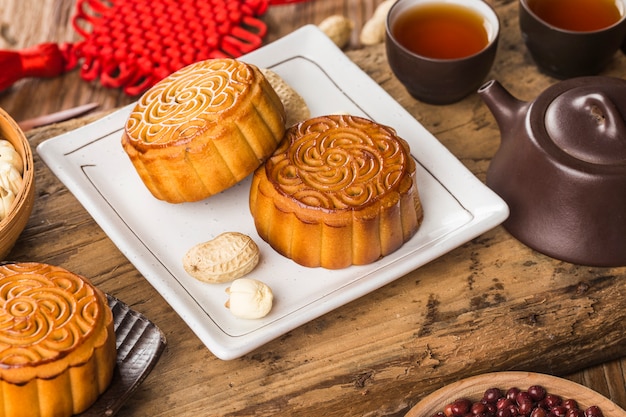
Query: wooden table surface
x,y
491,304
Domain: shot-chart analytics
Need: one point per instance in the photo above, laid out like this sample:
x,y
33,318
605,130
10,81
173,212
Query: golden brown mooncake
x,y
340,190
57,341
203,129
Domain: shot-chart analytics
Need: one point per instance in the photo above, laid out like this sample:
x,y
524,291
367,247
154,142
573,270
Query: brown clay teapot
x,y
561,168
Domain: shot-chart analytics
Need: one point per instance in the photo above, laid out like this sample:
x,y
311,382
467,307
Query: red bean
x,y
537,392
503,402
504,412
479,408
526,407
523,396
570,404
575,412
461,406
458,408
593,411
492,395
559,411
538,412
552,400
512,393
535,402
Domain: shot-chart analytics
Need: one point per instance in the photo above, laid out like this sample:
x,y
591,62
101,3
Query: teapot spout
x,y
505,108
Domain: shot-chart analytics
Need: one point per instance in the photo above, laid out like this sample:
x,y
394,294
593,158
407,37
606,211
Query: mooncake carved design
x,y
44,312
203,129
338,162
341,190
189,101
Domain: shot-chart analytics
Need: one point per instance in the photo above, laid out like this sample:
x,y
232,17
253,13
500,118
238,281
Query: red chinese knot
x,y
132,44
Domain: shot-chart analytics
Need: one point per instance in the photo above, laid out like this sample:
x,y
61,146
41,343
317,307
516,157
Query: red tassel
x,y
44,60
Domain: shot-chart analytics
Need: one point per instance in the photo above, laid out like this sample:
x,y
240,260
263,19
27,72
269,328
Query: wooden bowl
x,y
15,221
474,387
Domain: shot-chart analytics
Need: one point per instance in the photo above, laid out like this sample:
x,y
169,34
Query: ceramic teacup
x,y
441,50
564,48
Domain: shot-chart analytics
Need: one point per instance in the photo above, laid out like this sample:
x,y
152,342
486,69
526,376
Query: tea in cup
x,y
571,38
441,50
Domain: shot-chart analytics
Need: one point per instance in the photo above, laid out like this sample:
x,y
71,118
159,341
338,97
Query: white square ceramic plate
x,y
155,235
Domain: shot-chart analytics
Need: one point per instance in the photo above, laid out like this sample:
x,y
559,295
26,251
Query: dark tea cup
x,y
441,51
572,38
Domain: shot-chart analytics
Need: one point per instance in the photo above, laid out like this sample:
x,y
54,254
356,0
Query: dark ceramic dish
x,y
139,347
565,54
441,81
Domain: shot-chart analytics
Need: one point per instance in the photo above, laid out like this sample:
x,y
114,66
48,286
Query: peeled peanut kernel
x,y
229,256
249,298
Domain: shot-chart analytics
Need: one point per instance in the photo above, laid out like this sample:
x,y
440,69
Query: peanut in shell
x,y
228,256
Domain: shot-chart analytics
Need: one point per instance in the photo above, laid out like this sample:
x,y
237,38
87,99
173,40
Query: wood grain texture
x,y
492,304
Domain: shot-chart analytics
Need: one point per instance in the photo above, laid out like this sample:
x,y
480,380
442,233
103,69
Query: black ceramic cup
x,y
439,80
564,53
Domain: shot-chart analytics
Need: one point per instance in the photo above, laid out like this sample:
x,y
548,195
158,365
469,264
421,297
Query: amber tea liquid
x,y
577,15
441,31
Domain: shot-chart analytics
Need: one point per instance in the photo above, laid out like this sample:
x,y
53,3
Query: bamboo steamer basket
x,y
474,387
14,223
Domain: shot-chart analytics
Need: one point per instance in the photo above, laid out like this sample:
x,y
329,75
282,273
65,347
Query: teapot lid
x,y
586,119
